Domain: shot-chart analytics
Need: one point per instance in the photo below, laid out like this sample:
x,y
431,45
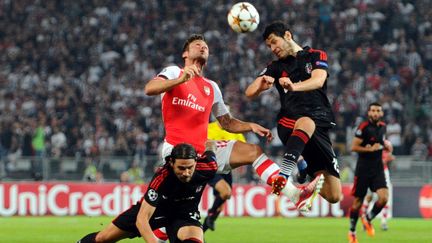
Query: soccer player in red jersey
x,y
188,99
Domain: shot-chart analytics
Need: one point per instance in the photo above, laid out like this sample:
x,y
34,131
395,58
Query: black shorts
x,y
217,178
363,181
318,152
127,221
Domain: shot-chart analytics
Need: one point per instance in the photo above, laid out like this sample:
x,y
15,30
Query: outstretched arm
x,y
156,86
235,125
142,222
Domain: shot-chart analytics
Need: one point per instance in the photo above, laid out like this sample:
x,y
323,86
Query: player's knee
x,y
383,199
257,150
191,240
357,203
252,152
306,124
333,197
368,198
101,237
226,194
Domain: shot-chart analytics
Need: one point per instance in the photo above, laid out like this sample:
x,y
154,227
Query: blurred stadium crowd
x,y
72,72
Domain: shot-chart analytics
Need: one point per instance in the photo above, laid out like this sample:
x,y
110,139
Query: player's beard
x,y
202,60
289,47
374,120
185,179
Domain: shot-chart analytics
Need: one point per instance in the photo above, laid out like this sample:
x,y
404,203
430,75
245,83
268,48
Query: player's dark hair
x,y
374,104
182,151
278,28
191,39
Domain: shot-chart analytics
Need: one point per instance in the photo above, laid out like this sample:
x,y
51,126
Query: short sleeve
x,y
270,70
218,108
319,59
360,132
171,72
155,188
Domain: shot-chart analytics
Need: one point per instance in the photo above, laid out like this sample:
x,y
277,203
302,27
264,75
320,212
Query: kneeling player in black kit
x,y
171,201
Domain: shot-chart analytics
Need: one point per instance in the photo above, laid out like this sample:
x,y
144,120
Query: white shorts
x,y
223,153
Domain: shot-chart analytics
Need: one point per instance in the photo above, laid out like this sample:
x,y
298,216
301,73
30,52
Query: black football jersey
x,y
171,196
371,133
294,105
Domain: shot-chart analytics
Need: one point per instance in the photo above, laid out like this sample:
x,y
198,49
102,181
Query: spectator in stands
x,y
90,170
419,150
124,177
99,178
58,142
135,173
394,135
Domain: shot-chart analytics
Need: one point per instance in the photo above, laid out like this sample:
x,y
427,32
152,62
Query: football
x,y
243,17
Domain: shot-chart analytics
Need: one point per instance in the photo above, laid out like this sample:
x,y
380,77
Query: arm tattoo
x,y
225,121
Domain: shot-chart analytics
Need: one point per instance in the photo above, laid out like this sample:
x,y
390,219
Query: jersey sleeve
x,y
171,72
319,59
219,108
156,187
207,165
270,70
361,131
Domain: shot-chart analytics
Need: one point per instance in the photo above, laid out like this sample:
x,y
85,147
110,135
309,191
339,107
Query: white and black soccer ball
x,y
243,17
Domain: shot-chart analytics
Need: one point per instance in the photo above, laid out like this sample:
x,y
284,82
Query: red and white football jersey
x,y
187,107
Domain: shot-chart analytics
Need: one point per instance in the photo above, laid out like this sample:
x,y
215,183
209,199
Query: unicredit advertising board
x,y
61,199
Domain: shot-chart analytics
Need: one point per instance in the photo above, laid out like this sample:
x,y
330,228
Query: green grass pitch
x,y
301,230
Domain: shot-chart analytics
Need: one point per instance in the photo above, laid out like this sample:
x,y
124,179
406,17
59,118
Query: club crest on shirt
x,y
206,90
199,189
152,195
308,68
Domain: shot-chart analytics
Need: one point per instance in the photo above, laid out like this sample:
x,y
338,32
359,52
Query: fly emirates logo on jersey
x,y
190,102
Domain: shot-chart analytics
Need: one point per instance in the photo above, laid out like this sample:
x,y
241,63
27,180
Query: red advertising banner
x,y
257,201
60,199
425,201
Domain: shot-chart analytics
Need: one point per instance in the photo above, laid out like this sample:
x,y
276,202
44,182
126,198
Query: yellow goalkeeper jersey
x,y
215,132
